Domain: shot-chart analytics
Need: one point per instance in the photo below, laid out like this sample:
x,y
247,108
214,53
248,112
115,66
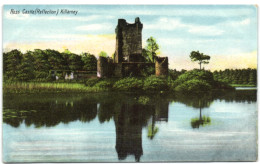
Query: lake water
x,y
127,127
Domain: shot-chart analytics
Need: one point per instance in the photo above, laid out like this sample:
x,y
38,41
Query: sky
x,y
228,33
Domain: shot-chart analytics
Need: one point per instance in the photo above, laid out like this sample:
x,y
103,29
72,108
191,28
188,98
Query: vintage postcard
x,y
129,83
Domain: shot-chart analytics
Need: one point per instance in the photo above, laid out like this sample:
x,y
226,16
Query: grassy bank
x,y
32,87
191,81
242,85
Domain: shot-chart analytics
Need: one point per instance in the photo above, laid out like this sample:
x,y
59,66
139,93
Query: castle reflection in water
x,y
130,112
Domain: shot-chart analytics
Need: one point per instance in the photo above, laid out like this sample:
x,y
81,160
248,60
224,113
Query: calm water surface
x,y
124,127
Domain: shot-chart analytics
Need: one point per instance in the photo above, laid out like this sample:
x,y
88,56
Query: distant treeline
x,y
37,64
230,76
237,76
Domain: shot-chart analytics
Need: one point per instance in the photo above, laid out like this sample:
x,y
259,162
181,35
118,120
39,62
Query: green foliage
x,y
143,100
25,69
36,65
32,87
147,55
193,85
237,76
151,49
174,74
147,71
200,57
153,83
103,84
92,82
196,81
12,60
75,62
89,62
103,54
128,84
195,74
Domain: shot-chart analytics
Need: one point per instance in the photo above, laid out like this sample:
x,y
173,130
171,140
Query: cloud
x,y
205,30
95,27
245,22
171,24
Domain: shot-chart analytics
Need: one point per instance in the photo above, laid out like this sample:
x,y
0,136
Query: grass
x,y
32,87
243,85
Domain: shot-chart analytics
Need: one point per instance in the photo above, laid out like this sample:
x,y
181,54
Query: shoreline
x,y
74,87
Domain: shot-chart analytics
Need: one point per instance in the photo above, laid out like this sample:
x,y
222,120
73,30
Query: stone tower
x,y
128,41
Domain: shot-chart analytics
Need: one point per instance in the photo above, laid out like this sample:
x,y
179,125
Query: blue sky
x,y
227,33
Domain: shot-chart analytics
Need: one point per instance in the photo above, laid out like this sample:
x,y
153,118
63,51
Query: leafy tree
x,y
252,78
75,62
103,54
11,63
237,76
41,64
200,57
146,55
90,62
152,48
55,59
26,68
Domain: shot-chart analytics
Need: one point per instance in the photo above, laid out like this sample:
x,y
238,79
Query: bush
x,y
153,83
103,84
92,82
128,84
195,74
194,85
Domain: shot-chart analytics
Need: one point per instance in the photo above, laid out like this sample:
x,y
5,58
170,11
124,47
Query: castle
x,y
128,59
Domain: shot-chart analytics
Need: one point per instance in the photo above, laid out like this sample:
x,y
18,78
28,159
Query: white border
x,y
153,2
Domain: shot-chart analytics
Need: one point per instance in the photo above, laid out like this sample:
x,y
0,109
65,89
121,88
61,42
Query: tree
x,y
152,48
55,59
103,54
41,64
26,68
200,57
11,63
90,62
75,62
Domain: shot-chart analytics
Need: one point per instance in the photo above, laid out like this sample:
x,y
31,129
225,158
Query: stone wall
x,y
161,66
102,67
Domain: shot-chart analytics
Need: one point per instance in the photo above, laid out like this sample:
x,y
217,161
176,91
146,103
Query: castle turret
x,y
161,66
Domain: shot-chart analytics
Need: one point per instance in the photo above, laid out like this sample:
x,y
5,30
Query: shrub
x,y
92,82
193,86
103,84
128,84
154,83
195,74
